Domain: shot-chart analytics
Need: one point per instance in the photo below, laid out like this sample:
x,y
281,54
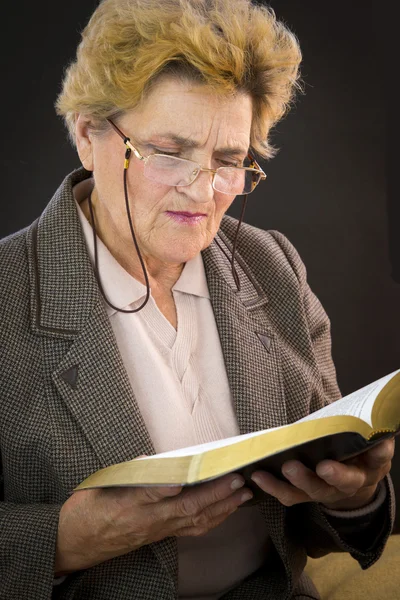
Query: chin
x,y
180,258
176,257
179,252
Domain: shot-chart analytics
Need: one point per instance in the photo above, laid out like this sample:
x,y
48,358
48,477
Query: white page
x,y
358,404
192,450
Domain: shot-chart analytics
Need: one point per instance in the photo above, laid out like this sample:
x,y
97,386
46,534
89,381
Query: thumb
x,y
380,454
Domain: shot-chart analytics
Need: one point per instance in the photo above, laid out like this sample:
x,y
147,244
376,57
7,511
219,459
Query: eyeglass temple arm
x,y
254,164
127,140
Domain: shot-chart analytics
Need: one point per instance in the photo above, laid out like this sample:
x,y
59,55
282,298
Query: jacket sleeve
x,y
28,534
365,534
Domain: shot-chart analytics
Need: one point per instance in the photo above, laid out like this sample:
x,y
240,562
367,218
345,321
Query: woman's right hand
x,y
98,524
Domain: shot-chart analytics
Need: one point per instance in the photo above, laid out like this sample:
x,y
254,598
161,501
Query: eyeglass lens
x,y
174,171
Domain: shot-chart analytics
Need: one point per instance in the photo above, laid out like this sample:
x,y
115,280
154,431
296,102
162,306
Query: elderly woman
x,y
137,318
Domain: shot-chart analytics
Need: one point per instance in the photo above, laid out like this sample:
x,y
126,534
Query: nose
x,y
200,190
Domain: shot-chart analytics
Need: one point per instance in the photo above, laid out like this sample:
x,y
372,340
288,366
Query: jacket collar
x,y
64,288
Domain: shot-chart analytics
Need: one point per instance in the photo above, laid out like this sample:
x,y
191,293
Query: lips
x,y
186,214
185,217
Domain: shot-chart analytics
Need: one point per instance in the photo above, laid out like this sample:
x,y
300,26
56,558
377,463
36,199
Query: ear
x,y
83,139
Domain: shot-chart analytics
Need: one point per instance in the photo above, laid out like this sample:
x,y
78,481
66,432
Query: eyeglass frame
x,y
254,166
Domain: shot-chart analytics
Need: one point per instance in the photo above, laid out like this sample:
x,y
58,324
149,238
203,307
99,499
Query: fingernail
x,y
246,496
290,471
256,479
326,471
236,484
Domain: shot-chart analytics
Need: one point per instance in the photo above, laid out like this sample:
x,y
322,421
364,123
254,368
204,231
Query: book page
x,y
358,404
192,450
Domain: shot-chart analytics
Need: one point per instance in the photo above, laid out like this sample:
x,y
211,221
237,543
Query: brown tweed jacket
x,y
67,408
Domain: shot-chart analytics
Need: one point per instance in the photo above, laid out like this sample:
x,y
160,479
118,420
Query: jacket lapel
x,y
90,376
250,346
252,359
101,399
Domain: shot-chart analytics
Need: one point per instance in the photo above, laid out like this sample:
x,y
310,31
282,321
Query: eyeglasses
x,y
180,172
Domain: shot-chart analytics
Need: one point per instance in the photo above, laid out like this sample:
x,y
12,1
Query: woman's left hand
x,y
339,486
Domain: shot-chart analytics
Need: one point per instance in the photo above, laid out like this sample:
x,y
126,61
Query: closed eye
x,y
158,151
225,163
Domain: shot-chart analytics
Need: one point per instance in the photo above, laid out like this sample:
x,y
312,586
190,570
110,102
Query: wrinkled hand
x,y
99,524
339,486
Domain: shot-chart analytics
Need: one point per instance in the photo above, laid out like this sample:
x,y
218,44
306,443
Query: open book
x,y
338,431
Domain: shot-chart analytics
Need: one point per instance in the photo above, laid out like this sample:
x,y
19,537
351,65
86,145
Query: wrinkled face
x,y
218,129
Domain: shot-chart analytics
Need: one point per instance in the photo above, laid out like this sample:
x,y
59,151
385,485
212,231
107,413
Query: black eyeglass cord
x,y
146,277
96,258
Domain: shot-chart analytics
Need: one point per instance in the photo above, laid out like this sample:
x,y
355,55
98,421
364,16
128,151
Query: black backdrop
x,y
331,189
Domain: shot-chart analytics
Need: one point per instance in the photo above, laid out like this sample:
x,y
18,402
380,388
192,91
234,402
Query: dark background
x,y
332,188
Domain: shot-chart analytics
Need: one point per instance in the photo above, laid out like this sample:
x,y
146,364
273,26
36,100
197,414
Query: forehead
x,y
193,111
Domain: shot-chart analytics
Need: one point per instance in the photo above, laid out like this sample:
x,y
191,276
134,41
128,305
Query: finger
x,y
225,506
213,515
150,495
316,488
196,499
380,455
195,531
286,493
347,478
364,470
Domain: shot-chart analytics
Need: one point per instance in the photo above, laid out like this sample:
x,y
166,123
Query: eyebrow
x,y
184,142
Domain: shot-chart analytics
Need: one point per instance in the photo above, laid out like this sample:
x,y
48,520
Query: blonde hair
x,y
230,45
